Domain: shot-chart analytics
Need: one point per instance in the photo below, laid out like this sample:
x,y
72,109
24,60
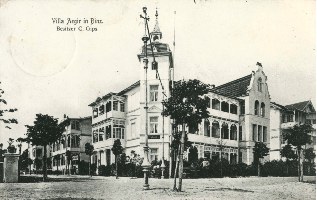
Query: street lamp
x,y
163,163
146,164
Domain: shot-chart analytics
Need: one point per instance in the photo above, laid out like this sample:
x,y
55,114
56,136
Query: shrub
x,y
83,168
104,170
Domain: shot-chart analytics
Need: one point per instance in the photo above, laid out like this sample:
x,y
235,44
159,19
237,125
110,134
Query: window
x,y
254,131
215,130
240,133
215,104
153,154
290,118
154,63
68,140
233,132
101,133
224,106
118,132
153,124
108,132
260,136
193,128
242,108
208,102
260,84
75,141
95,112
115,105
108,106
262,109
233,109
95,136
264,134
75,125
122,106
153,93
224,131
101,109
256,107
207,128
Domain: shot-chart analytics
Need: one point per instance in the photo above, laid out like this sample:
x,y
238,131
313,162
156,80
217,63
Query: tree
x,y
309,156
23,160
260,150
89,150
44,132
69,158
288,153
117,149
297,136
38,164
175,147
3,111
187,106
57,158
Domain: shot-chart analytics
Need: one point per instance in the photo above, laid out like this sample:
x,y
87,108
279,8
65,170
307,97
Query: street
x,y
84,187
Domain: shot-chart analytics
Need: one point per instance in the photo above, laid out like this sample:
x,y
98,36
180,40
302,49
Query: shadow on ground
x,y
38,179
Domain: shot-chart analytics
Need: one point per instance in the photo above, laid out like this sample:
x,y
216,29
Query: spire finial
x,y
156,14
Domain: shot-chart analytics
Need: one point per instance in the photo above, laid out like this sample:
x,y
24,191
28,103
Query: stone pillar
x,y
10,168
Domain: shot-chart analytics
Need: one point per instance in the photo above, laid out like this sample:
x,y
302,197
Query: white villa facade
x,y
240,114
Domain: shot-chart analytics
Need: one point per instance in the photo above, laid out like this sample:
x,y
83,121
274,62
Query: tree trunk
x,y
44,164
259,168
116,157
301,166
298,165
57,167
287,167
181,159
30,169
90,166
176,169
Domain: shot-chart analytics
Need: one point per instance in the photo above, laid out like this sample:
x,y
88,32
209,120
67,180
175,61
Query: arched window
x,y
233,109
260,84
224,106
215,104
207,128
256,107
262,109
233,132
215,129
208,102
224,131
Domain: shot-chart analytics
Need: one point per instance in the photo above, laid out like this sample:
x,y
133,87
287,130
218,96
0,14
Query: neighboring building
x,y
239,114
283,117
74,138
36,152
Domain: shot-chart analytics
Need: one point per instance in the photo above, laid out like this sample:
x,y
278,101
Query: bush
x,y
93,168
83,168
104,170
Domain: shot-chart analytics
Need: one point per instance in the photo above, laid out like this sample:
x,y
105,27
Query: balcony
x,y
211,140
107,143
110,114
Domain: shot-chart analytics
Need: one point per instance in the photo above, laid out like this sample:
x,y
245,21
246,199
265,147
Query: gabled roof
x,y
236,88
134,85
279,106
102,98
298,106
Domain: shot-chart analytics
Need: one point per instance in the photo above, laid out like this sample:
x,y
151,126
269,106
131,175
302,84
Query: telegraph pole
x,y
146,164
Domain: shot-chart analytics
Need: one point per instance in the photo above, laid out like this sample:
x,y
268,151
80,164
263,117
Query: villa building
x,y
284,117
239,113
75,136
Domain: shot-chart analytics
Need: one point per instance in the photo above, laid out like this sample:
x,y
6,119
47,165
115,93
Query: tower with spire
x,y
160,65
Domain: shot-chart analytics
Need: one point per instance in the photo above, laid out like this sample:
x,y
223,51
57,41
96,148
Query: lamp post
x,y
163,163
146,164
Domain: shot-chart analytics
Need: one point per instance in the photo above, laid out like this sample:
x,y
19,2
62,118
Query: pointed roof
x,y
299,106
236,88
157,30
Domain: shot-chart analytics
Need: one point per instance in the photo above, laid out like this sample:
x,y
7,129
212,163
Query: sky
x,y
54,72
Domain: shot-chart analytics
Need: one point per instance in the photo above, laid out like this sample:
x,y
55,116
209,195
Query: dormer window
x,y
260,84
